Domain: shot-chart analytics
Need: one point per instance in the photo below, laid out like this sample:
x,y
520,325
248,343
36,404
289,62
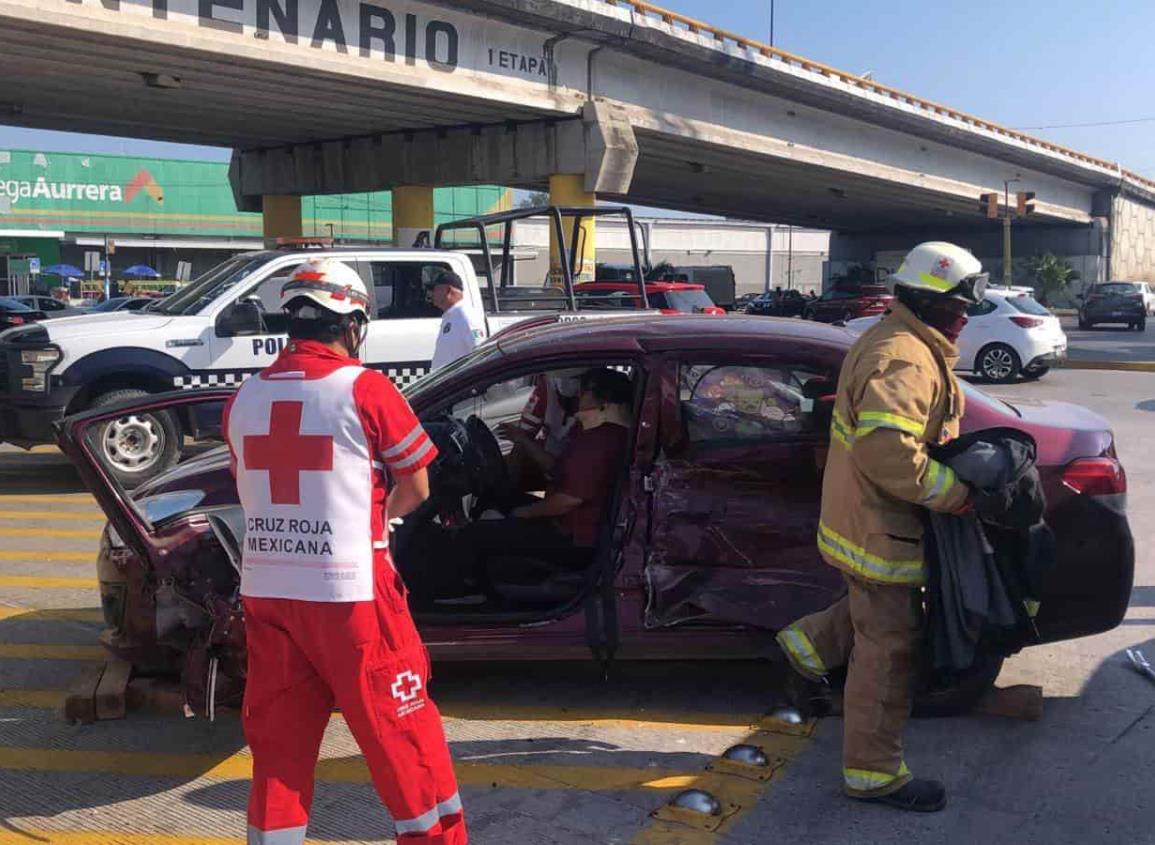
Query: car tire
x,y
1141,326
1036,373
1085,325
998,363
138,447
962,694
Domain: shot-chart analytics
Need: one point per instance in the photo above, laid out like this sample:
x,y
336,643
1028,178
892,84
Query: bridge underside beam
x,y
599,145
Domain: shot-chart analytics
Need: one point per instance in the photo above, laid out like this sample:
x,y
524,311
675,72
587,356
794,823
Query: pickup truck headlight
x,y
39,362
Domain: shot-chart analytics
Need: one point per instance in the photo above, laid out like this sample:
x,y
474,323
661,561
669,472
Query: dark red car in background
x,y
667,297
842,304
708,540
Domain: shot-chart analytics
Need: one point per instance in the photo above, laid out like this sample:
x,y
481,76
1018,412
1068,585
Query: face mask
x,y
949,316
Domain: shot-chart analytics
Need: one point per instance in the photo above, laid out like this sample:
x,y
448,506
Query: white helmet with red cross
x,y
330,284
937,267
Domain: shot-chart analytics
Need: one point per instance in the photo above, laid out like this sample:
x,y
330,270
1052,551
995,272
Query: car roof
x,y
655,332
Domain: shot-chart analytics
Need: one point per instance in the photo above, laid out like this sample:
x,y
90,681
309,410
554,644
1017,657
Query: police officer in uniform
x,y
460,331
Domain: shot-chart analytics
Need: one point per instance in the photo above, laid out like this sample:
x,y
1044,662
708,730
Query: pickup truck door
x,y
249,332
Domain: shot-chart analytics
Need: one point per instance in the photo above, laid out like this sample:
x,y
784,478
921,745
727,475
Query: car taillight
x,y
669,311
1027,322
1096,477
14,320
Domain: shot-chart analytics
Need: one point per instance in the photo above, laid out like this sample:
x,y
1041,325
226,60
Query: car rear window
x,y
688,301
1028,305
13,305
1117,288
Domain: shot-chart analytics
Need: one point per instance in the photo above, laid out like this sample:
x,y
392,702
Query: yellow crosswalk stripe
x,y
38,699
73,533
102,837
336,770
25,614
63,516
37,498
38,582
35,651
44,554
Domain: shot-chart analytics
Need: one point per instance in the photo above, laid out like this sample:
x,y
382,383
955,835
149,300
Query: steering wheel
x,y
484,462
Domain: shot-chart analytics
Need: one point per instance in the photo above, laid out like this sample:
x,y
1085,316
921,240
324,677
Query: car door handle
x,y
182,343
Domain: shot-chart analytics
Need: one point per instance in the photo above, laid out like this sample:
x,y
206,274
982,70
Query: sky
x,y
1025,64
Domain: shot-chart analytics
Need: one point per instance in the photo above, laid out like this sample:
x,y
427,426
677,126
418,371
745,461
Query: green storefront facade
x,y
57,206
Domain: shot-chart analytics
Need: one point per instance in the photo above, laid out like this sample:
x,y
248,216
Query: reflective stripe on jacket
x,y
896,394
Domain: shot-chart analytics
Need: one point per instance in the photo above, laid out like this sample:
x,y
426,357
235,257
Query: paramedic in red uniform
x,y
316,440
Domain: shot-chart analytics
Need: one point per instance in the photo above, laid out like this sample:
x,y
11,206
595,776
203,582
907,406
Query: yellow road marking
x,y
63,516
39,699
44,554
735,790
591,717
35,651
50,532
25,614
336,770
37,582
38,498
90,837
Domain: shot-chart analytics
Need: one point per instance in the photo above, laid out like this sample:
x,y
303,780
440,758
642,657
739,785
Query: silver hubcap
x,y
998,363
133,444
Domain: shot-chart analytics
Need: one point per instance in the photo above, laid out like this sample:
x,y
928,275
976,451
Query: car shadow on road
x,y
38,473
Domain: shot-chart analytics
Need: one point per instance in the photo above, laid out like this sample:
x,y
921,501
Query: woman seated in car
x,y
561,528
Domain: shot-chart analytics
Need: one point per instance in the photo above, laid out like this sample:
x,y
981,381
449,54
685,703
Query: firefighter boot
x,y
811,698
920,795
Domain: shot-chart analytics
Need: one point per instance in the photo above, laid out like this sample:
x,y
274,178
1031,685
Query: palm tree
x,y
1052,274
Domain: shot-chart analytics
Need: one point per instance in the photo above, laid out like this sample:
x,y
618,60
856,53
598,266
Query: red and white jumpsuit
x,y
326,617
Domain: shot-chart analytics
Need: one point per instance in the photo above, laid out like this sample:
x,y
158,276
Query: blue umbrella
x,y
140,271
65,270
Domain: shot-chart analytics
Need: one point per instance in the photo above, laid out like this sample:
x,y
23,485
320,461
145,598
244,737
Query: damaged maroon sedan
x,y
708,541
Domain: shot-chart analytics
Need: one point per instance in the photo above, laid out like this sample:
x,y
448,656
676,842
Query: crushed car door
x,y
736,492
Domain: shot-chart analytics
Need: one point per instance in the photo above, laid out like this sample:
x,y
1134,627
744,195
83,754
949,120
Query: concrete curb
x,y
1127,366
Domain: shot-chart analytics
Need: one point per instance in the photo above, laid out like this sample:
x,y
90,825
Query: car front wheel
x,y
999,363
1141,325
136,447
1085,324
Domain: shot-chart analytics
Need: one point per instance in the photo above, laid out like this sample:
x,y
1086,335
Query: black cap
x,y
447,277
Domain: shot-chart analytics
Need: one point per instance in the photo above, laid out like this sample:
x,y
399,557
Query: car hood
x,y
1054,414
117,323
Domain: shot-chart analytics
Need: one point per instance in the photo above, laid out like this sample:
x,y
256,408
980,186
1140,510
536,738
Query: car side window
x,y
725,403
400,289
981,309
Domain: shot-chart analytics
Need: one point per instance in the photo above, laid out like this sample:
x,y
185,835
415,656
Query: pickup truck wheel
x,y
137,447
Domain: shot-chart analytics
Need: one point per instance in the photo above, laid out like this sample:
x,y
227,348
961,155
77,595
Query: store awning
x,y
30,233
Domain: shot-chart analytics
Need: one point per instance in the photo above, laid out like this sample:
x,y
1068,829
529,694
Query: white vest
x,y
305,479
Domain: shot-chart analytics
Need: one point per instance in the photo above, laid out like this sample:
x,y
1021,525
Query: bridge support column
x,y
281,217
412,213
568,189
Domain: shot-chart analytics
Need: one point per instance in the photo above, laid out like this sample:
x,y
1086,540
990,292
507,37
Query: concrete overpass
x,y
622,99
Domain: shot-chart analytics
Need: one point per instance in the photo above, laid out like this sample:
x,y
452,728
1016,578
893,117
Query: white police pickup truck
x,y
227,325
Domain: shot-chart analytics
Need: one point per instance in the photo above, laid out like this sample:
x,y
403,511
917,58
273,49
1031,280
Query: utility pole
x,y
1024,206
771,23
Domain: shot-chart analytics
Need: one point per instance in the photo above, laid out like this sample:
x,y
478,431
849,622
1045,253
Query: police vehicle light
x,y
301,243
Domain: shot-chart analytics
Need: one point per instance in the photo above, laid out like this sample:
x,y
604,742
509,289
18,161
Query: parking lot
x,y
554,754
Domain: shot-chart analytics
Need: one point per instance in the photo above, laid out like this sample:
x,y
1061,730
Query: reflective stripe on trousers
x,y
801,651
860,780
284,836
871,567
427,821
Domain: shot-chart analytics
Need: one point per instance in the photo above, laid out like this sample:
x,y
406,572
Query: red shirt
x,y
588,469
396,439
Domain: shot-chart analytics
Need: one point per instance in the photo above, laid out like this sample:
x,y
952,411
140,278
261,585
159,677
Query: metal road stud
x,y
750,755
698,801
696,808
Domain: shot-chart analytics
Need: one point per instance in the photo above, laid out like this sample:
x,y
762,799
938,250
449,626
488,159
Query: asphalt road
x,y
550,753
1109,343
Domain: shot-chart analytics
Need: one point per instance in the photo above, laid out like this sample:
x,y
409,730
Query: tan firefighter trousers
x,y
877,628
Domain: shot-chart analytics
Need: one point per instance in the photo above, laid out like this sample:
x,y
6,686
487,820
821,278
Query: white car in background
x,y
1009,335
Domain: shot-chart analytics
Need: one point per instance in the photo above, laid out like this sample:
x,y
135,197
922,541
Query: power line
x,y
1080,125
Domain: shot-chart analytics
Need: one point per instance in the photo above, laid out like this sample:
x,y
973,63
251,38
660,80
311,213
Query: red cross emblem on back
x,y
285,453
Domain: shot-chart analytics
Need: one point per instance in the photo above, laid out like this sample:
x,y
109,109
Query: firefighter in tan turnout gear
x,y
896,395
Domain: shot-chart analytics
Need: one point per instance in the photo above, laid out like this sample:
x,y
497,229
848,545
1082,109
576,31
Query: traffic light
x,y
989,204
1026,201
111,247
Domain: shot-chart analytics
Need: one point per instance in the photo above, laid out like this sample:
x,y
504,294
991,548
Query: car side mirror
x,y
240,319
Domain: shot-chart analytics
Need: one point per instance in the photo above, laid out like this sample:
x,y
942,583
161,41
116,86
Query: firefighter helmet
x,y
331,284
937,267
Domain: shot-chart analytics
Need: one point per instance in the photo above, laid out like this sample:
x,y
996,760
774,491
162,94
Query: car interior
x,y
476,472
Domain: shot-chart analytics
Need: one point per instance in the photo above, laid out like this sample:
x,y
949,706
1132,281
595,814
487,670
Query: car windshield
x,y
483,353
973,394
199,294
688,301
1117,289
1028,305
9,304
109,304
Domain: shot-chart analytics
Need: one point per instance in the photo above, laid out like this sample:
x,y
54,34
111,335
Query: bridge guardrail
x,y
680,21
